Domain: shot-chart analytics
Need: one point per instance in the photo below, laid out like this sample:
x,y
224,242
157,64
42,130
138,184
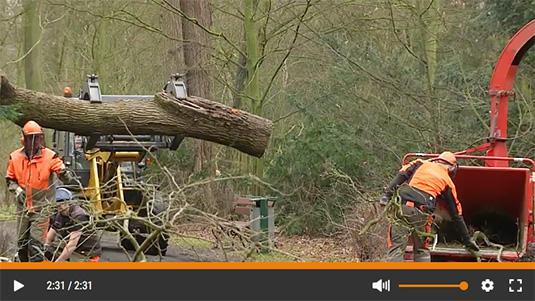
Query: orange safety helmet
x,y
448,157
31,128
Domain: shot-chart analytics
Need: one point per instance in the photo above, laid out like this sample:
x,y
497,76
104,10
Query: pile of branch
x,y
194,117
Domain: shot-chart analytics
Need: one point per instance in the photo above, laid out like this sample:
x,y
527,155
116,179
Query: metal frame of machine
x,y
496,158
100,160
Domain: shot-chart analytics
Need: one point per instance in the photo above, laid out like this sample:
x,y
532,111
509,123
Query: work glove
x,y
469,243
471,246
20,195
67,175
384,200
49,251
459,223
47,246
18,191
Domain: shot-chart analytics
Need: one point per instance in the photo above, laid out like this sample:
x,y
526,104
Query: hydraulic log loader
x,y
498,199
109,168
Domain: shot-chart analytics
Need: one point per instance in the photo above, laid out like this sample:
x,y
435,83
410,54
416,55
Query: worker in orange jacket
x,y
30,177
423,181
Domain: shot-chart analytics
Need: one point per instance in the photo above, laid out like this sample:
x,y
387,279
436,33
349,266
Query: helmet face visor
x,y
32,144
452,169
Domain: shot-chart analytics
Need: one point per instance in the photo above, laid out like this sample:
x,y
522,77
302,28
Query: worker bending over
x,y
423,181
71,224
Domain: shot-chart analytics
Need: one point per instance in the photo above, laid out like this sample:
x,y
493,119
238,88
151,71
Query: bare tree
x,y
174,57
196,55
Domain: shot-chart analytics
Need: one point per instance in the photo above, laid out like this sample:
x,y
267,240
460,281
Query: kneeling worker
x,y
71,224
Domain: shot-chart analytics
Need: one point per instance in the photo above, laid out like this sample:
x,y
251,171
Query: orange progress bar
x,y
463,285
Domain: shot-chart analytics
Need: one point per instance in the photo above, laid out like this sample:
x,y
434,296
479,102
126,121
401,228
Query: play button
x,y
17,285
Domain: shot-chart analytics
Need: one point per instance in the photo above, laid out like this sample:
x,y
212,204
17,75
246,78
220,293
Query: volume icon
x,y
381,285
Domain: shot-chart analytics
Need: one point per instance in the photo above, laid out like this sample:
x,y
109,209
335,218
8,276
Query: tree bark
x,y
196,54
164,115
253,87
33,62
239,82
428,18
174,49
33,70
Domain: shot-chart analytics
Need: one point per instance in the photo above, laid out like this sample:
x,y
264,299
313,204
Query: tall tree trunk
x,y
174,49
62,43
196,55
33,71
20,67
100,50
427,18
239,162
33,62
252,88
239,82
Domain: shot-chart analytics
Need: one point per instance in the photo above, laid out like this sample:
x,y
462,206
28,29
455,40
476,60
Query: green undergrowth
x,y
7,213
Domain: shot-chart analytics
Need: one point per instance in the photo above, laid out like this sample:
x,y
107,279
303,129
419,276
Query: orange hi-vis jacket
x,y
426,181
431,178
34,175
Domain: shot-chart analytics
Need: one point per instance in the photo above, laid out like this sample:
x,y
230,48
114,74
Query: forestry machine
x,y
109,167
497,198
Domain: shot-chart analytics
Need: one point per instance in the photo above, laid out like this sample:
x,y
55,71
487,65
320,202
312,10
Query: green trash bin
x,y
263,218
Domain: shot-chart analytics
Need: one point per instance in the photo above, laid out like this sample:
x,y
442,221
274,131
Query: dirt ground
x,y
113,253
197,245
295,248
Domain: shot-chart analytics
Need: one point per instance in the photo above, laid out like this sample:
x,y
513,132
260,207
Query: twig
x,y
479,234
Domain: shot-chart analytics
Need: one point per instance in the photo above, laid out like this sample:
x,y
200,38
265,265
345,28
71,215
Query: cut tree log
x,y
194,117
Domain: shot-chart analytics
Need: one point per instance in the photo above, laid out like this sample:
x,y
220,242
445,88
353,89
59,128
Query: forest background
x,y
351,86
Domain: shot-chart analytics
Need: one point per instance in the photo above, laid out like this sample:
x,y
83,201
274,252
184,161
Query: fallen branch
x,y
479,234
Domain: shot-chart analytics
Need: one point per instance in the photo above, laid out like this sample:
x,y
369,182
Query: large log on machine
x,y
165,114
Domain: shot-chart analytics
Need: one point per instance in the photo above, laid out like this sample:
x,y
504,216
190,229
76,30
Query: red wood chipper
x,y
497,198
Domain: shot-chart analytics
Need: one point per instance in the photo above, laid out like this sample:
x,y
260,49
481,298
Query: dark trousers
x,y
409,222
32,228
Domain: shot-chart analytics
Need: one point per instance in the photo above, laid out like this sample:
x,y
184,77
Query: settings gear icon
x,y
487,285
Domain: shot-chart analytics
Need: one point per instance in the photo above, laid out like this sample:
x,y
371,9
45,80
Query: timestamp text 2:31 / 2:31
x,y
61,285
